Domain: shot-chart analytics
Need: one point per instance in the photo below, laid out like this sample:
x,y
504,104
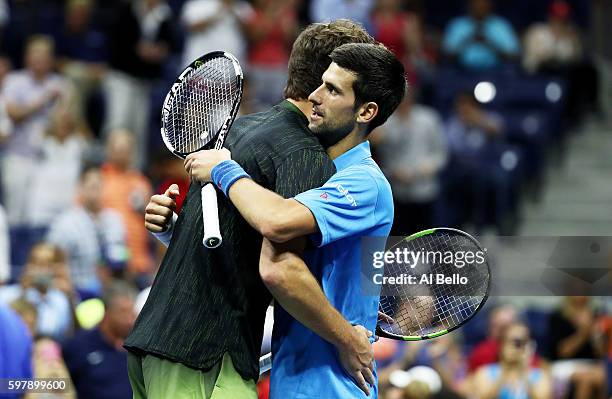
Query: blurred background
x,y
507,130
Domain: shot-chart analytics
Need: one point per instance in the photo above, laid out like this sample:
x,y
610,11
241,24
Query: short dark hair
x,y
380,77
118,289
310,54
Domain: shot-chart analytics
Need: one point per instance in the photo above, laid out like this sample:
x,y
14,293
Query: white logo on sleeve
x,y
346,194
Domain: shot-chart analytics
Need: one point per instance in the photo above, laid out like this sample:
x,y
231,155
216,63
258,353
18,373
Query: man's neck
x,y
353,139
303,105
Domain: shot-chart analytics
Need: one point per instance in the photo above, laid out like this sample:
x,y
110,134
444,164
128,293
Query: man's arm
x,y
295,288
344,206
20,112
160,216
274,217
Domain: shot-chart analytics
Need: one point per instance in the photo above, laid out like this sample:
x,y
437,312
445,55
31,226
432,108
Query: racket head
x,y
202,103
416,313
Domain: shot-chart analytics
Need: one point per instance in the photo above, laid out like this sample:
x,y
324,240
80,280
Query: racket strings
x,y
202,105
421,309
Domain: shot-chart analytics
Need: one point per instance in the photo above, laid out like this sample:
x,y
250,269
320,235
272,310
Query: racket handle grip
x,y
210,217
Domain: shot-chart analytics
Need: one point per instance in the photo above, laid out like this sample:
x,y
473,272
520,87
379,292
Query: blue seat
x,y
537,320
530,130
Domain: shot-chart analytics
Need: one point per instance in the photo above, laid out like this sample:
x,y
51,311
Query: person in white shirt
x,y
38,285
214,25
91,235
29,96
54,186
413,151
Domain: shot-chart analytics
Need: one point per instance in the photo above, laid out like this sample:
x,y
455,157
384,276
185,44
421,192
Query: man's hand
x,y
199,164
357,358
160,209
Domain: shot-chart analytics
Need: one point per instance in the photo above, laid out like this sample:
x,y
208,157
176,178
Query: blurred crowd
x,y
507,353
495,90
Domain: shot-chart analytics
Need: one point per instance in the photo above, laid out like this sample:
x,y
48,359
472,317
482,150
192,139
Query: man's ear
x,y
367,112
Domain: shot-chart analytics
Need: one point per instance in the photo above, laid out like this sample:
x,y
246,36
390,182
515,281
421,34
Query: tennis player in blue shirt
x,y
359,91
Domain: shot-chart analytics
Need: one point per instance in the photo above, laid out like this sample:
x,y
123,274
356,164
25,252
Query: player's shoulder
x,y
277,132
283,124
365,173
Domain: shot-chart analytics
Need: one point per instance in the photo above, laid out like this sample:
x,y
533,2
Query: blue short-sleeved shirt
x,y
460,35
355,202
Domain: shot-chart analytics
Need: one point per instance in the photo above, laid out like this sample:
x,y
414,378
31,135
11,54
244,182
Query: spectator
x,y
555,47
486,351
412,150
29,96
331,10
38,286
82,52
6,126
512,377
552,43
61,161
420,382
91,235
95,358
212,25
576,347
127,191
481,39
474,137
142,40
5,265
401,32
271,31
445,357
576,320
15,348
48,363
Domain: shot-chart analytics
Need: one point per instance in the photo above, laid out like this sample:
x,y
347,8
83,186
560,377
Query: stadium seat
x,y
537,320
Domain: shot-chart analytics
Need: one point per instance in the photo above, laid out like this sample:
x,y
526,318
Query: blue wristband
x,y
227,173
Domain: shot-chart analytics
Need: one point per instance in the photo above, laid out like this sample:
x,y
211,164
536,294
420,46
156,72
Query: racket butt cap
x,y
212,242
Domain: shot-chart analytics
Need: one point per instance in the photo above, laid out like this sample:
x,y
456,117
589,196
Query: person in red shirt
x,y
486,352
270,31
401,32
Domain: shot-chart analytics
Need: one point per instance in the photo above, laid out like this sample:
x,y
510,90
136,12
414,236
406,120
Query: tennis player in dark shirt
x,y
200,330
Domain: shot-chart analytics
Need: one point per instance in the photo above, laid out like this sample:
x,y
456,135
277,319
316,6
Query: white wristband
x,y
166,236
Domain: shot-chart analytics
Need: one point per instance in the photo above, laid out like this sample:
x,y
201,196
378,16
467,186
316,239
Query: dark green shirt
x,y
203,302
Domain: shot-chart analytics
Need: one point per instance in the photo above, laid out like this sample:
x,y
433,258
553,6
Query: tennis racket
x,y
201,106
414,312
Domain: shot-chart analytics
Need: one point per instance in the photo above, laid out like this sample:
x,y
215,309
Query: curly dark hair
x,y
310,54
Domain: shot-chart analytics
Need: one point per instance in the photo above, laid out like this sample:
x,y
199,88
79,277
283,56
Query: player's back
x,y
203,302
